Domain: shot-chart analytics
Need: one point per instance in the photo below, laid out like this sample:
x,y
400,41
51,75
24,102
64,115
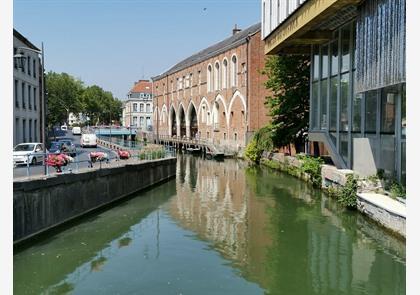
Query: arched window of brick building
x,y
216,76
209,79
234,70
203,114
225,74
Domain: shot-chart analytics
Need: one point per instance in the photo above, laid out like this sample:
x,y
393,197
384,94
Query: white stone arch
x,y
155,114
191,105
219,98
203,102
180,105
179,127
163,114
172,110
188,113
236,94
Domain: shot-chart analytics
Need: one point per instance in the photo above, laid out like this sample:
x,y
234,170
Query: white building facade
x,y
77,119
138,107
27,83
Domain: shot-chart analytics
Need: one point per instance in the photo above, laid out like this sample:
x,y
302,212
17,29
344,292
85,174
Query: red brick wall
x,y
250,85
258,115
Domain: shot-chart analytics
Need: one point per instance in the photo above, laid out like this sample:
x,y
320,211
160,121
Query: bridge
x,y
106,131
116,131
207,147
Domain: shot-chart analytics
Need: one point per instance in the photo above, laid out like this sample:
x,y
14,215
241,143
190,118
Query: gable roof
x,y
228,43
24,40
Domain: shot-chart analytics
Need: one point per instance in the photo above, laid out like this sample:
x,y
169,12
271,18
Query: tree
x,y
92,102
288,79
63,96
100,105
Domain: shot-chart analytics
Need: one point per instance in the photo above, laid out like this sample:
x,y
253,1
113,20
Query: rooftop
x,y
228,43
142,86
24,40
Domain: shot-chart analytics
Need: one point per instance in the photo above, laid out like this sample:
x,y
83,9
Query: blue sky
x,y
113,43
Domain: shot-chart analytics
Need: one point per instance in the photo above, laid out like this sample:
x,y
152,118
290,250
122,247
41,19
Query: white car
x,y
31,152
76,131
88,139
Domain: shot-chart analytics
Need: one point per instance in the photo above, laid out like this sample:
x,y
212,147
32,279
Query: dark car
x,y
55,147
69,146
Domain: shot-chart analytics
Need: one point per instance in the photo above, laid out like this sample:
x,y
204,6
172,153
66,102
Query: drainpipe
x,y
157,115
248,38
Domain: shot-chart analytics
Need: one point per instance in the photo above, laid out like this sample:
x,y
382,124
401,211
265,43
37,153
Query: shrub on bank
x,y
261,141
312,166
347,195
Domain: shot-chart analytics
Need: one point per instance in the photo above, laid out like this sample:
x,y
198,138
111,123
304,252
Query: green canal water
x,y
218,228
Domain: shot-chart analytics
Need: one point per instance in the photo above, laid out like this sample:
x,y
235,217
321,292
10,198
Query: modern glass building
x,y
357,106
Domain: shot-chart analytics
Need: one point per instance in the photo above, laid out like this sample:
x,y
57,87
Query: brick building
x,y
216,94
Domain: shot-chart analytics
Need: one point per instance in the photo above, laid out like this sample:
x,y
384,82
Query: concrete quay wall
x,y
42,204
389,213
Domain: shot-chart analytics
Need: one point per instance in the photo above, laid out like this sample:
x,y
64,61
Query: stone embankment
x,y
386,211
40,204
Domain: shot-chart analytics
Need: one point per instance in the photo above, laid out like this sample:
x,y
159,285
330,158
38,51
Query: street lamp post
x,y
21,59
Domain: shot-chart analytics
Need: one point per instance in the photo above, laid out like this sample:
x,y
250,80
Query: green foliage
x,y
152,154
333,191
252,152
63,94
272,164
347,195
397,190
100,105
312,166
288,79
380,173
261,142
66,94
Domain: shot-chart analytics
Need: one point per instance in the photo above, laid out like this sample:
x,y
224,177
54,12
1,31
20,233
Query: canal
x,y
218,228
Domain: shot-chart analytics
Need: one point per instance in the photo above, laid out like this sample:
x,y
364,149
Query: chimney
x,y
235,30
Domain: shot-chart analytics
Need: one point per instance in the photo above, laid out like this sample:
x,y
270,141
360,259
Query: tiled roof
x,y
142,86
228,43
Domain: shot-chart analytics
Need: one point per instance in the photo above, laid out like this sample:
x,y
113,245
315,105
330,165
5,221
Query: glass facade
x,y
331,97
344,114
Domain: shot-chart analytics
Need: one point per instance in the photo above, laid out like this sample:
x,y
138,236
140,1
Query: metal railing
x,y
85,162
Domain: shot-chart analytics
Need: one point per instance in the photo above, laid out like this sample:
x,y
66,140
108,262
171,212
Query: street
x,y
80,161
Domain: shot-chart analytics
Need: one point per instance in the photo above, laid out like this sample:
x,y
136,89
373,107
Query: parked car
x,y
88,140
31,152
76,131
69,146
55,147
63,127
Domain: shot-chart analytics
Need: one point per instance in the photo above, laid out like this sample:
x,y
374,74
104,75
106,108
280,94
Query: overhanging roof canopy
x,y
311,23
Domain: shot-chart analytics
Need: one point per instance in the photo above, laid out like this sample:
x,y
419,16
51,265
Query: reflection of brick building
x,y
216,94
215,204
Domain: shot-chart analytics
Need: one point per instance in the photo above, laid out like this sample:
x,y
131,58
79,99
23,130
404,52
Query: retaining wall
x,y
387,212
42,204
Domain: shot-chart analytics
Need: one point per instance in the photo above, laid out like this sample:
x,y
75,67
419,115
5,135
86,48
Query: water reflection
x,y
219,228
61,261
284,235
